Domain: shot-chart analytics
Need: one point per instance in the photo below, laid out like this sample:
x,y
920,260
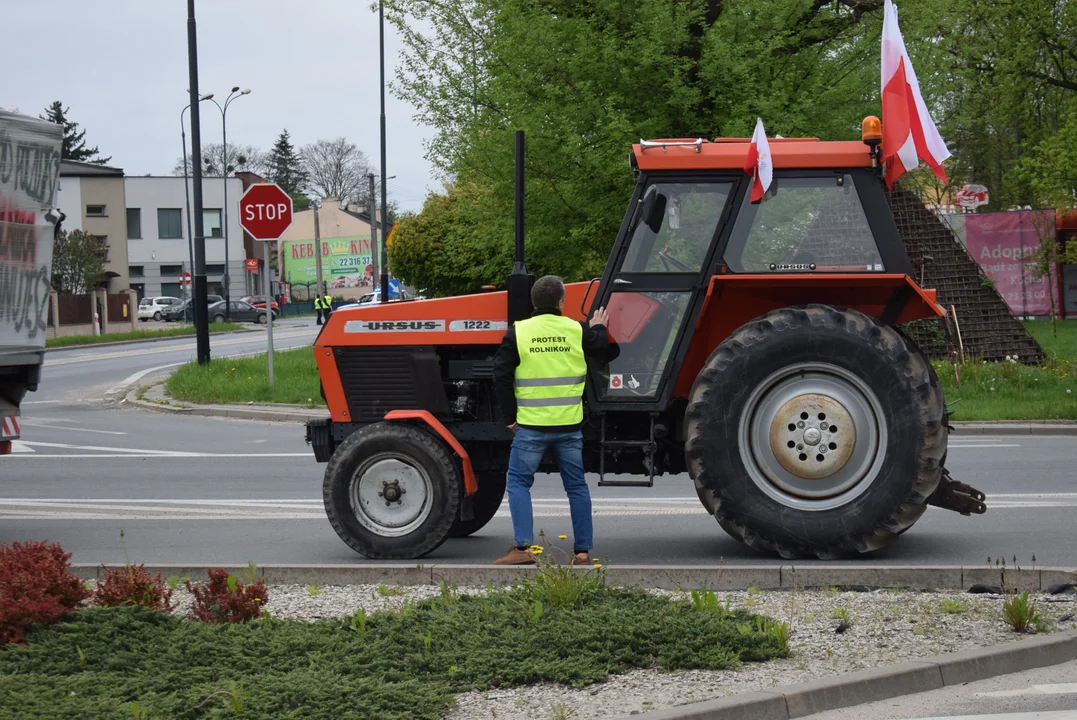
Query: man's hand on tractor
x,y
601,317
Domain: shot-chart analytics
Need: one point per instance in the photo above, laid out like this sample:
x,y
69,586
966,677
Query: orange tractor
x,y
758,350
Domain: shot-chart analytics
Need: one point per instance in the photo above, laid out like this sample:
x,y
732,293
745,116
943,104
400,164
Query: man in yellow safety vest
x,y
539,376
318,308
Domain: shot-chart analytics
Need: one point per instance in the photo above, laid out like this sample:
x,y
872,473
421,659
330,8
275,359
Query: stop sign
x,y
265,211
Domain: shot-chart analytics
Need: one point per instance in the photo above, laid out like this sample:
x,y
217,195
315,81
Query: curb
x,y
713,577
236,413
302,415
881,683
138,341
1041,428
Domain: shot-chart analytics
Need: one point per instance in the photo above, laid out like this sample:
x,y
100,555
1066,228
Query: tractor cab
x,y
757,348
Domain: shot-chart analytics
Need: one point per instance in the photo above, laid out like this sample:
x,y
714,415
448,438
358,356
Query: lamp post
x,y
384,200
236,93
187,189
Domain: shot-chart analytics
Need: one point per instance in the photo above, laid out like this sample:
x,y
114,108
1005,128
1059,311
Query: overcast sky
x,y
121,67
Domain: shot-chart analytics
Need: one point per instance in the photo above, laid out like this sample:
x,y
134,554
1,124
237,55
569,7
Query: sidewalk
x,y
155,399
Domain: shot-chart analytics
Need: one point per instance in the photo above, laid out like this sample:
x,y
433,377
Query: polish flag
x,y
909,134
758,163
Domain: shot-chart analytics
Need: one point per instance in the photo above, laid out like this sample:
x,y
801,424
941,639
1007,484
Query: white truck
x,y
29,175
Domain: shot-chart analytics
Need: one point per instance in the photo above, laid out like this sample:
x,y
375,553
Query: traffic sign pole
x,y
265,211
269,315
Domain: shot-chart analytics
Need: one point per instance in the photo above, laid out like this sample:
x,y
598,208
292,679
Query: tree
x,y
336,168
241,158
443,249
585,80
284,165
74,144
78,262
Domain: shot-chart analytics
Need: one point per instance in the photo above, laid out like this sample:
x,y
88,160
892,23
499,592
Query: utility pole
x,y
384,200
372,211
198,300
318,247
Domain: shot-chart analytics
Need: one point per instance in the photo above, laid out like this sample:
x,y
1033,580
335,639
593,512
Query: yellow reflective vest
x,y
317,302
552,371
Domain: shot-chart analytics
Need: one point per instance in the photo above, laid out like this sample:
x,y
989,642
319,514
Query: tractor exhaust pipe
x,y
519,281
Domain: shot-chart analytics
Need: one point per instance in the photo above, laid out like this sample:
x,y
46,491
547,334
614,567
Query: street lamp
x,y
384,202
236,93
186,185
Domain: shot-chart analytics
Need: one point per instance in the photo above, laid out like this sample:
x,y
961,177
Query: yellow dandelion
x,y
562,537
598,565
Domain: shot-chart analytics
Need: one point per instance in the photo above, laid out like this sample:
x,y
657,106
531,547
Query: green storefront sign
x,y
346,262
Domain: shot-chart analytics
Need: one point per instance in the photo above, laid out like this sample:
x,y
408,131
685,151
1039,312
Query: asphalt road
x,y
85,374
207,490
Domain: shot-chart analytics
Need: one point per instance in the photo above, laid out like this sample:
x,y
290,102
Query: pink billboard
x,y
1002,244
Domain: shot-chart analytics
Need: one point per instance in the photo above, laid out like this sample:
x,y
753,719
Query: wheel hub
x,y
813,436
807,439
389,496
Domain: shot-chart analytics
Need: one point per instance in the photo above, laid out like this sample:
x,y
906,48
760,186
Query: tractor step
x,y
649,447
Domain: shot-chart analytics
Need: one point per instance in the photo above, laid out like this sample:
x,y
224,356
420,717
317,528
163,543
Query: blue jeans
x,y
528,447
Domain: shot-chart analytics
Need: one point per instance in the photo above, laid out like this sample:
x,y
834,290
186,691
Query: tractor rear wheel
x,y
391,491
815,431
485,505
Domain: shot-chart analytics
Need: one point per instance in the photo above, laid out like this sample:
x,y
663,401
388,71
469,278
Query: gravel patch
x,y
885,627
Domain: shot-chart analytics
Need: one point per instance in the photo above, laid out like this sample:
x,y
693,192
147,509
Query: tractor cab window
x,y
644,327
804,224
674,227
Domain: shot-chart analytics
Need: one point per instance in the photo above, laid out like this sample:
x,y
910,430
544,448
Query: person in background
x,y
539,375
318,308
327,306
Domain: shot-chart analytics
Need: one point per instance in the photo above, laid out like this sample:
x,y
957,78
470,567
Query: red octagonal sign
x,y
265,211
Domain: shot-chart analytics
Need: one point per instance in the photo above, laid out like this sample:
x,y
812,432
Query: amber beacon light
x,y
871,131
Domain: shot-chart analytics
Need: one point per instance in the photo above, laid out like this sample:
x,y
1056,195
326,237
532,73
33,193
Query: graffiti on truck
x,y
29,170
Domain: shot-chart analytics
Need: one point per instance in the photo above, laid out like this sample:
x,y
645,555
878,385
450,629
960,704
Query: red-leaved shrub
x,y
35,588
133,585
225,599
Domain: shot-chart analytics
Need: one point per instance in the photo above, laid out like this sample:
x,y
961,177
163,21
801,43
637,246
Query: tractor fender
x,y
471,485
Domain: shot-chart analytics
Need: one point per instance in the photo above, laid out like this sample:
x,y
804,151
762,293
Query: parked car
x,y
259,301
239,311
151,308
183,312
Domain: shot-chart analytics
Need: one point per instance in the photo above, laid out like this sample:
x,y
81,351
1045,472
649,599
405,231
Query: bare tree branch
x,y
336,168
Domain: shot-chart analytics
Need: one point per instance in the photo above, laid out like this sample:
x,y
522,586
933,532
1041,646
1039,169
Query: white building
x,y
158,248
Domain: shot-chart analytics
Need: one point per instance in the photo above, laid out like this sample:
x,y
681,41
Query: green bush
x,y
383,666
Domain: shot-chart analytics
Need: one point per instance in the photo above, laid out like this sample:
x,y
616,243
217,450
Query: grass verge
x,y
132,662
242,380
135,335
1014,391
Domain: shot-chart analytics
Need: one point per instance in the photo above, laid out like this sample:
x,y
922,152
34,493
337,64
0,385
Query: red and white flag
x,y
759,163
909,132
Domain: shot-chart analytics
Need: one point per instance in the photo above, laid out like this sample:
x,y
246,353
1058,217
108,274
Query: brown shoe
x,y
515,556
582,559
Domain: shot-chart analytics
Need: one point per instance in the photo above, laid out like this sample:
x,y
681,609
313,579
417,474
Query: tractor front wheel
x,y
815,432
485,505
391,491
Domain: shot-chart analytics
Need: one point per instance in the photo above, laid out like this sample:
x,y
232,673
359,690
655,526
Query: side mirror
x,y
654,208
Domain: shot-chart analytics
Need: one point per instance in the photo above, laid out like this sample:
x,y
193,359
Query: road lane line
x,y
65,446
46,509
50,426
